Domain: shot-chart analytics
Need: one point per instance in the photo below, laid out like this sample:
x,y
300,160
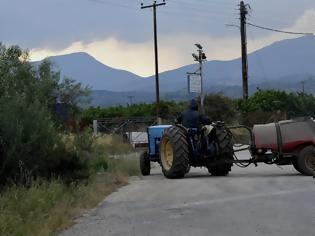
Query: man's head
x,y
193,105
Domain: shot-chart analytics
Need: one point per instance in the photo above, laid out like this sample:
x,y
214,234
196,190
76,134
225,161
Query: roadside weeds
x,y
49,207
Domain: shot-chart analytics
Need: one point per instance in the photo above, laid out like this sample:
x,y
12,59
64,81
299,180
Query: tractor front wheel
x,y
145,165
306,161
174,153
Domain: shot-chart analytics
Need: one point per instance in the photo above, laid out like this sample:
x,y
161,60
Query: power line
x,y
271,18
199,13
279,31
259,58
216,3
114,4
200,7
183,10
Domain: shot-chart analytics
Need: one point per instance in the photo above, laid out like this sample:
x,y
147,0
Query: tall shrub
x,y
30,145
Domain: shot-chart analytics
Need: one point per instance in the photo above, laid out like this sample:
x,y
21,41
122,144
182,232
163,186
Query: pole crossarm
x,y
193,73
153,5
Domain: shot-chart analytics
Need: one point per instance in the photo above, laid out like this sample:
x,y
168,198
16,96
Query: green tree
x,y
29,141
219,107
265,103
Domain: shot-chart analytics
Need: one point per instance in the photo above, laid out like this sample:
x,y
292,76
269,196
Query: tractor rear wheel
x,y
145,165
306,161
174,153
225,144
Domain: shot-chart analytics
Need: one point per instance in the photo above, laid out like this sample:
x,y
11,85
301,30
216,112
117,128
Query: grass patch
x,y
128,165
112,145
48,207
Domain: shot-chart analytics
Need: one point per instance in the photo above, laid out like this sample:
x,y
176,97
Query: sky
x,y
119,34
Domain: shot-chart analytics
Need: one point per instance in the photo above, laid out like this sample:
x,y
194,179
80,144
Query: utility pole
x,y
157,86
130,99
303,87
200,58
243,13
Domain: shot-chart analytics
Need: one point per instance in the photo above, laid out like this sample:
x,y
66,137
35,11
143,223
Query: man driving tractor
x,y
191,118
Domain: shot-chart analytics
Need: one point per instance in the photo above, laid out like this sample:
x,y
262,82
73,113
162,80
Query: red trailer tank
x,y
286,136
286,142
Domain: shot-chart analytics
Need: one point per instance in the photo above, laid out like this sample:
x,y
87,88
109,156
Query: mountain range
x,y
283,64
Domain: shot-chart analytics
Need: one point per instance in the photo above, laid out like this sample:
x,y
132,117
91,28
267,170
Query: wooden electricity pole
x,y
243,13
130,99
157,86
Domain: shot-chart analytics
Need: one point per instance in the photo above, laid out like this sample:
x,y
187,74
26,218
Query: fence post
x,y
95,130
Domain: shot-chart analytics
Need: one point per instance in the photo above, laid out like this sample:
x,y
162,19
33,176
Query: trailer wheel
x,y
145,165
174,153
225,144
296,166
306,161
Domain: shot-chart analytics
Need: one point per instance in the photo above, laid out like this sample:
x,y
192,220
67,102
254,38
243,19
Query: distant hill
x,y
291,60
87,70
106,98
283,64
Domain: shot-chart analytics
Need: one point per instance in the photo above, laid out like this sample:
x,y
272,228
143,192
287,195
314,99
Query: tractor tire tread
x,y
225,143
180,153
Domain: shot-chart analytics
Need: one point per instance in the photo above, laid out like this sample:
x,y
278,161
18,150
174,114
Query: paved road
x,y
264,200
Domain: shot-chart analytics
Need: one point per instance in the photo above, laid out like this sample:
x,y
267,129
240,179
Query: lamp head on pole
x,y
195,57
198,46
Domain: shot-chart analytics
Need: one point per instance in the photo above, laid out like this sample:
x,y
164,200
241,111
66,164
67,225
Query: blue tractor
x,y
177,148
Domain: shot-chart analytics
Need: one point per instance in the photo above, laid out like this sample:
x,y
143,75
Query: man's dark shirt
x,y
193,119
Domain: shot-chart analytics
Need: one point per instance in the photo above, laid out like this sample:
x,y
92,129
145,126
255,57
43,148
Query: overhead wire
x,y
114,4
274,20
197,12
202,7
186,10
279,31
200,13
259,58
206,11
213,3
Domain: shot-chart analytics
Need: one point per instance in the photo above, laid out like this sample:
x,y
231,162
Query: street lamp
x,y
201,57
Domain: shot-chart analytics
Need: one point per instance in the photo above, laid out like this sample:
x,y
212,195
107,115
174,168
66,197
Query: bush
x,y
220,107
28,136
273,105
30,146
83,141
46,208
168,111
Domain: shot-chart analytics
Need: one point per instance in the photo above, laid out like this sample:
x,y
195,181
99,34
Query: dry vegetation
x,y
47,207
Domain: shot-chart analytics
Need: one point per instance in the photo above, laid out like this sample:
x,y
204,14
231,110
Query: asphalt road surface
x,y
263,200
